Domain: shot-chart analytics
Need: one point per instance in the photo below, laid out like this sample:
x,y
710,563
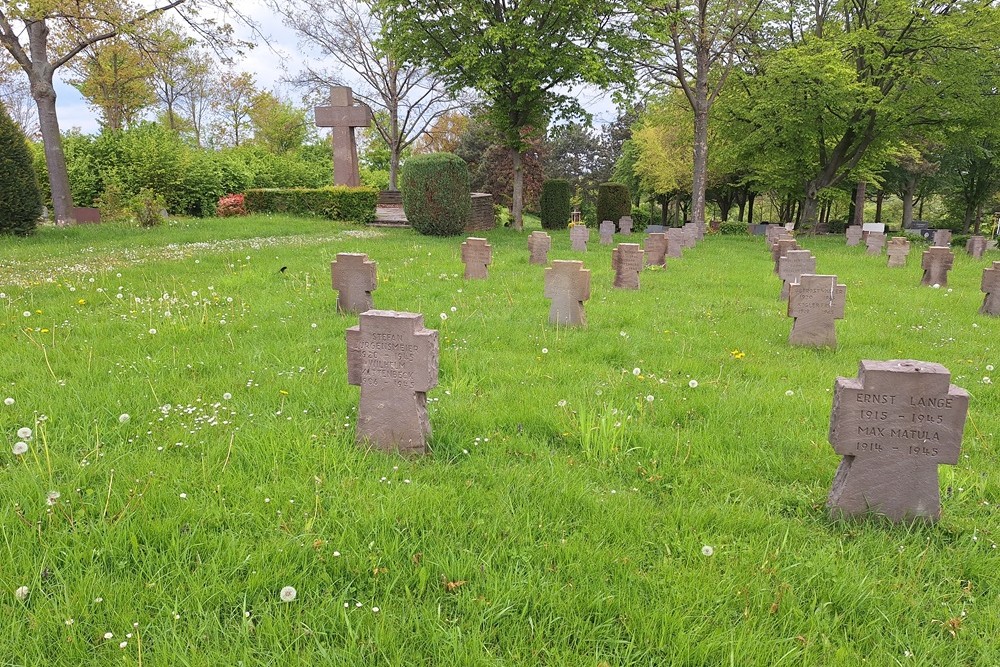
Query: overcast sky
x,y
269,62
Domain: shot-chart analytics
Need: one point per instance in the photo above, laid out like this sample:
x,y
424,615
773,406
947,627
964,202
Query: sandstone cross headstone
x,y
607,232
675,242
656,249
567,283
854,235
976,246
626,260
578,236
354,277
794,265
781,248
776,232
936,262
942,237
894,425
699,230
343,117
477,254
395,361
625,225
875,243
991,285
815,302
899,250
538,245
690,237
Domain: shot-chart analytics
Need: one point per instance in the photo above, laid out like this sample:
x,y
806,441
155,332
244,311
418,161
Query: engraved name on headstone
x,y
875,243
567,283
477,254
936,262
538,245
815,302
780,248
627,260
792,266
354,277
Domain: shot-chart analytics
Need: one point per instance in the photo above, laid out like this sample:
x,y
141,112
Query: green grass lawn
x,y
576,479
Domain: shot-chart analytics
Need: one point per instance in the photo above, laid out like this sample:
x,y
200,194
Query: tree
x,y
114,77
20,201
15,95
277,124
232,102
348,32
199,93
518,55
444,134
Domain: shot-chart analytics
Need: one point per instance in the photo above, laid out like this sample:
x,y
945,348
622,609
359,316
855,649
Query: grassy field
x,y
648,490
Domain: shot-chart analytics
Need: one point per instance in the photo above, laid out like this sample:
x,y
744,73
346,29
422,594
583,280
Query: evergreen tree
x,y
20,201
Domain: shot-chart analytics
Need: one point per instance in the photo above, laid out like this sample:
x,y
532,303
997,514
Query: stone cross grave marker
x,y
343,117
942,237
567,283
578,236
395,361
354,277
936,262
894,425
875,243
675,242
991,285
792,266
815,302
626,260
780,249
777,232
607,232
854,235
477,254
899,250
656,249
538,245
625,225
699,229
690,237
976,246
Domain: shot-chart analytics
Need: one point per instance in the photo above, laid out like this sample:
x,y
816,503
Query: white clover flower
x,y
10,401
27,313
693,384
562,403
183,496
987,380
109,635
19,448
152,332
123,418
123,645
636,371
545,350
22,593
936,286
789,392
454,309
375,610
649,398
24,433
989,367
707,550
288,594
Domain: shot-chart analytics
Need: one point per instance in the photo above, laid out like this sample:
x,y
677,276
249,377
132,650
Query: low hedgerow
x,y
334,202
734,229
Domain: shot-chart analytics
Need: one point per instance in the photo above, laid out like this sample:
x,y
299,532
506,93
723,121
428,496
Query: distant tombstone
x,y
815,302
477,254
991,285
942,237
85,216
873,228
625,225
780,249
343,117
793,266
607,232
567,283
758,230
538,245
656,229
699,230
875,243
395,361
656,249
936,262
777,232
690,237
853,235
899,250
578,236
976,246
355,278
626,260
894,425
675,242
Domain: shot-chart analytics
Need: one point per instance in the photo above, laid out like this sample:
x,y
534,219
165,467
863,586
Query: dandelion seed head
x,y
24,433
636,371
650,398
22,593
123,418
19,448
707,550
693,384
288,594
8,401
562,403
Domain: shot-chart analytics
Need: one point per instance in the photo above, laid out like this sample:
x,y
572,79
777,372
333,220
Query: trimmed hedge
x,y
20,199
437,198
554,204
336,202
734,229
613,202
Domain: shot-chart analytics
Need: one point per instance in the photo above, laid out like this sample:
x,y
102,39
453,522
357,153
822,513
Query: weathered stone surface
x,y
781,248
538,245
625,225
354,277
656,229
873,228
607,232
343,117
699,230
578,236
894,425
792,266
991,285
690,236
815,302
875,243
675,242
757,229
656,249
899,250
477,255
976,246
84,215
942,237
936,262
854,235
627,260
395,361
567,283
777,232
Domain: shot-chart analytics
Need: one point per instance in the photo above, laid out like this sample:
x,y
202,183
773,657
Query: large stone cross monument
x,y
343,117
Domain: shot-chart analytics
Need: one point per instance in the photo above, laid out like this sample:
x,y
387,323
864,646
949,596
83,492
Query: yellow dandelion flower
x,y
283,392
82,302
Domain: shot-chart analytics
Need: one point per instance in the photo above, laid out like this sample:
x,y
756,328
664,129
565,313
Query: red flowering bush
x,y
230,205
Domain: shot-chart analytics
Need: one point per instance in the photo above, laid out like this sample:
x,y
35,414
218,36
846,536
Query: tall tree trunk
x,y
664,212
517,203
810,204
878,206
394,149
850,206
979,219
908,189
751,195
967,219
920,209
55,159
859,204
700,176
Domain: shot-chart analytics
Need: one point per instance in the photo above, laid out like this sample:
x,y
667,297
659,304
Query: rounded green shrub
x,y
437,198
555,204
20,199
732,228
613,202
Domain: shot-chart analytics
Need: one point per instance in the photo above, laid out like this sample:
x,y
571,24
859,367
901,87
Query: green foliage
x,y
20,200
731,228
959,240
613,202
640,218
554,204
146,208
436,194
333,202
